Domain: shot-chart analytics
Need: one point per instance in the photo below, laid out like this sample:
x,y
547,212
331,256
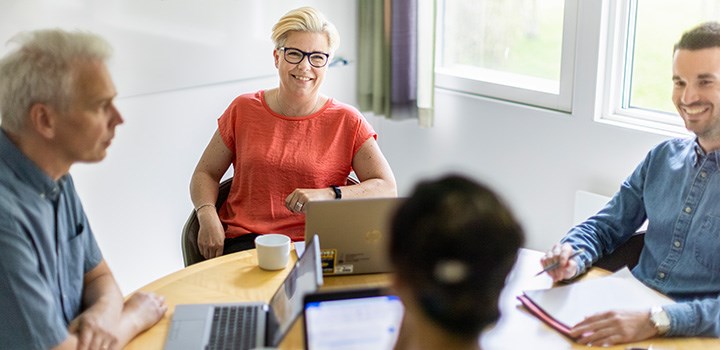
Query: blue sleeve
x,y
602,233
694,318
31,318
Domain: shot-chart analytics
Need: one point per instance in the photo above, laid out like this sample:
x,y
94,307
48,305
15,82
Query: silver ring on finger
x,y
298,206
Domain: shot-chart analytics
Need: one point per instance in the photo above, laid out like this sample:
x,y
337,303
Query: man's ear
x,y
43,120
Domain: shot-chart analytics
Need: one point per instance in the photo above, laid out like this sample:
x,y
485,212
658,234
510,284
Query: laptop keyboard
x,y
234,327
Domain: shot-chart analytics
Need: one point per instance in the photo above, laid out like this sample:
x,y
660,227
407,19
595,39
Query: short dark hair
x,y
705,35
453,243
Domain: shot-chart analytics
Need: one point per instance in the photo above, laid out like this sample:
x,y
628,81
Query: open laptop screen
x,y
287,303
357,319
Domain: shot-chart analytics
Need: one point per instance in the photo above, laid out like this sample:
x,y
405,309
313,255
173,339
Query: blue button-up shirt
x,y
46,247
677,189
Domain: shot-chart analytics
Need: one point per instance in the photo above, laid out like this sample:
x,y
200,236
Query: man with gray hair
x,y
56,109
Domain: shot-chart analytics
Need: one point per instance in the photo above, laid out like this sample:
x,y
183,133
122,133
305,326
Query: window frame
x,y
616,81
505,86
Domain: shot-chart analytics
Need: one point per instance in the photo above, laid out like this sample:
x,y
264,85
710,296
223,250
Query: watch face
x,y
660,320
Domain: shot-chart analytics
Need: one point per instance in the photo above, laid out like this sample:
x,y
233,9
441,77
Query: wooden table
x,y
236,277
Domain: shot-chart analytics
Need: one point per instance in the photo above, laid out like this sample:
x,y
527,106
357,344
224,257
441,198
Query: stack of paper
x,y
563,307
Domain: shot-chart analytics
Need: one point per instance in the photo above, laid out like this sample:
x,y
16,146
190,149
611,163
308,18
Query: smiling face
x,y
84,131
696,93
301,80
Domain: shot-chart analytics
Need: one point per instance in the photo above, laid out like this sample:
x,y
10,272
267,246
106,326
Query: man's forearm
x,y
101,293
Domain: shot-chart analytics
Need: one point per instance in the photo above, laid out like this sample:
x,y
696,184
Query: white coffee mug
x,y
273,251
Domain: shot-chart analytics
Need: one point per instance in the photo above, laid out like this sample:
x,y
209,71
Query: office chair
x,y
188,239
627,253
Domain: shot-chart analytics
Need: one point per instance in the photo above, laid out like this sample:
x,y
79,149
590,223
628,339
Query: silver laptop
x,y
248,325
355,234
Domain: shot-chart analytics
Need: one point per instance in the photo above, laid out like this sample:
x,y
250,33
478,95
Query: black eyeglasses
x,y
316,59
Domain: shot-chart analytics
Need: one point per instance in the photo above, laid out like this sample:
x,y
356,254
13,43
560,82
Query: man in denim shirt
x,y
56,291
677,189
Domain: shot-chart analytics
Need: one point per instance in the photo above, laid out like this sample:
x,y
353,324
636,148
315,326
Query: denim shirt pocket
x,y
707,245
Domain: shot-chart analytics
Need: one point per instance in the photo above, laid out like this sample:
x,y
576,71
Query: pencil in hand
x,y
555,265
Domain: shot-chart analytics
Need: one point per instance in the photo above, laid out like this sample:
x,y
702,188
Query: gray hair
x,y
41,70
305,19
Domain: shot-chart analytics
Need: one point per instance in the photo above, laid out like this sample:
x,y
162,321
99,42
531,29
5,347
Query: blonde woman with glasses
x,y
288,146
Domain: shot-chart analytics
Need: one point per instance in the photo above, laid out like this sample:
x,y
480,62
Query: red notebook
x,y
543,316
565,306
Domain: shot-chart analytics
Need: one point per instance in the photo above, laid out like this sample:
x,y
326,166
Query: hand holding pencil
x,y
558,262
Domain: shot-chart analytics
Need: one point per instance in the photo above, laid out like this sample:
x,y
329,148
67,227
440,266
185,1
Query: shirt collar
x,y
700,155
27,171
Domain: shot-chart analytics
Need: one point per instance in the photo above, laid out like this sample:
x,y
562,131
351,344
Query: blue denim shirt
x,y
677,189
46,247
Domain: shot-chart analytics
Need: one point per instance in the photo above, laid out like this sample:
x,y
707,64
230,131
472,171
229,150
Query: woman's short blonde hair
x,y
304,19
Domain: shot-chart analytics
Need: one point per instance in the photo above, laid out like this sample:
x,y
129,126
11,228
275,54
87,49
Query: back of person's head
x,y
41,70
453,244
704,36
305,19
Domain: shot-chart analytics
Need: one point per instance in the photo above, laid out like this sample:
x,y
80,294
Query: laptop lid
x,y
287,302
352,319
355,233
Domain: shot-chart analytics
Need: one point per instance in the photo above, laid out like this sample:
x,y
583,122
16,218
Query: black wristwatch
x,y
338,193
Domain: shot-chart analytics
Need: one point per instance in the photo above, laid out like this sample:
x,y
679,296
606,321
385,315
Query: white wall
x,y
535,159
177,65
137,199
165,45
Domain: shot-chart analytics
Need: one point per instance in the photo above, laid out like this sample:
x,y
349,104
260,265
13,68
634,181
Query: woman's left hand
x,y
295,201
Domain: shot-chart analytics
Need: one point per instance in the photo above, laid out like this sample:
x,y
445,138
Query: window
x,y
519,50
638,86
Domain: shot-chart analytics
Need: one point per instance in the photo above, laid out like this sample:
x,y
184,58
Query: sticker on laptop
x,y
327,260
344,269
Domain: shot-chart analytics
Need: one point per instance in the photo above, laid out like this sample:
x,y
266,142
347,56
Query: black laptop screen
x,y
287,303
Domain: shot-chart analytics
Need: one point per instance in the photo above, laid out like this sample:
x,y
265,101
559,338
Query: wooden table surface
x,y
236,277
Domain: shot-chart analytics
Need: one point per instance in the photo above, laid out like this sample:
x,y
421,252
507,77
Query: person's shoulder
x,y
679,142
345,110
674,145
250,97
675,150
248,105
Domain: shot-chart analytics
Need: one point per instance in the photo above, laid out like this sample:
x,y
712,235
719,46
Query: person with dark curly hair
x,y
453,244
